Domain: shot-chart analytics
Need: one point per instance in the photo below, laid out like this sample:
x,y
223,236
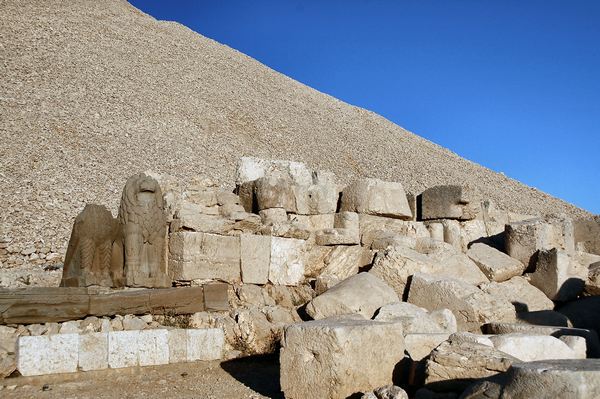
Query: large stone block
x,y
451,202
559,275
256,258
205,344
340,263
336,358
376,197
362,294
271,192
529,347
153,347
471,306
123,349
524,296
250,169
177,341
420,345
418,320
287,261
47,354
371,227
496,265
316,199
93,351
194,255
525,238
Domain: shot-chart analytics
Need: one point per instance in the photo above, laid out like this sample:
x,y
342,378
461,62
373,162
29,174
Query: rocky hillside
x,y
92,92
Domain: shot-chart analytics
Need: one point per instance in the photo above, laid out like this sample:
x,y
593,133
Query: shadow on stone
x,y
259,373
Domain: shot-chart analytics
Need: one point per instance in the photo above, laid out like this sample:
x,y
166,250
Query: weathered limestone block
x,y
385,239
587,235
8,364
577,344
523,239
8,339
313,222
362,294
205,344
273,216
471,306
496,265
560,276
371,227
419,345
287,261
144,224
250,169
95,252
335,358
255,258
386,392
123,349
194,255
524,296
272,192
177,342
346,231
376,197
454,261
417,320
592,284
528,347
451,202
436,229
153,347
256,334
93,351
340,263
188,219
316,199
47,354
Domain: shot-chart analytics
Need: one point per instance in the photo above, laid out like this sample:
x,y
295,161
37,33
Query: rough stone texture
x,y
372,227
471,306
93,351
451,202
586,233
386,392
47,354
592,284
255,252
287,261
251,168
420,345
275,192
205,344
337,237
177,342
523,239
496,265
153,347
123,349
376,197
363,294
316,199
340,263
528,347
524,296
417,320
559,275
8,364
194,255
335,358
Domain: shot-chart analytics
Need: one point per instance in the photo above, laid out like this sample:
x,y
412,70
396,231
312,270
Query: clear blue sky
x,y
511,84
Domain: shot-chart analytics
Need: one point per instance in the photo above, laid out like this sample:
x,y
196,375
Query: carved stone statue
x,y
95,252
144,227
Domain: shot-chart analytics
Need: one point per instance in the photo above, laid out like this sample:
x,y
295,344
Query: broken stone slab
x,y
47,354
529,347
313,222
8,364
592,284
372,227
346,231
451,202
316,199
420,345
250,169
195,255
518,291
93,351
386,392
255,253
496,265
336,358
340,263
255,332
287,261
376,197
361,294
205,344
525,238
587,234
559,275
272,192
418,320
471,306
272,216
453,260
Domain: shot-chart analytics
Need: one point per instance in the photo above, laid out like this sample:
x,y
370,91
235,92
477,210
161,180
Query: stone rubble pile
x,y
364,289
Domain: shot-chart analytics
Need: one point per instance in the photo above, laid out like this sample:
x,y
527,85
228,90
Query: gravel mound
x,y
92,92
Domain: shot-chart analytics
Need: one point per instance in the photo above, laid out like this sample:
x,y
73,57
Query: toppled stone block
x,y
419,345
496,265
524,296
592,284
376,197
340,263
194,255
250,169
346,231
450,202
372,227
123,349
153,347
205,344
316,199
256,333
335,358
360,294
471,306
47,354
560,276
528,347
273,216
255,258
418,320
525,238
287,261
93,351
587,235
271,192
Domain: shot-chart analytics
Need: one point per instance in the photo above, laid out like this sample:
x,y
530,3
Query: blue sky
x,y
510,84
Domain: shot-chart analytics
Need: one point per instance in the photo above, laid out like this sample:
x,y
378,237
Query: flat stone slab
x,y
47,354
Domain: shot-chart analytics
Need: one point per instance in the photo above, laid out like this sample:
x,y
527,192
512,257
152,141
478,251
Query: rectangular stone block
x,y
287,263
316,199
420,345
376,197
153,347
216,297
194,255
205,344
313,222
177,346
123,349
93,351
256,258
451,202
47,354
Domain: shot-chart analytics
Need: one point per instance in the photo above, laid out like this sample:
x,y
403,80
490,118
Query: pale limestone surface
x,y
528,347
361,294
524,238
335,358
153,347
275,192
177,341
415,319
340,263
371,227
376,197
316,199
251,168
420,345
93,351
496,265
519,292
559,275
255,254
123,349
205,344
47,354
287,261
